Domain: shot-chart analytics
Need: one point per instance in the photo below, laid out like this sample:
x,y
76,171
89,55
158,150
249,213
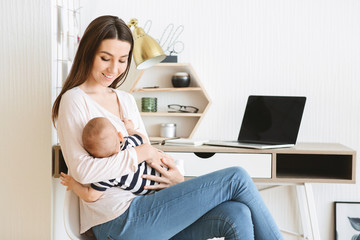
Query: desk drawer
x,y
196,164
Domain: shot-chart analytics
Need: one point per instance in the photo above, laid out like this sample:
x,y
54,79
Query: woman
x,y
225,203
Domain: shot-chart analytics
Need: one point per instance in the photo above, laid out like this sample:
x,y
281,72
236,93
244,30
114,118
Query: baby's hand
x,y
128,124
67,181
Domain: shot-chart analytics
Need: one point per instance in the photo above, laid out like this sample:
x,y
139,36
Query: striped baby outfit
x,y
132,182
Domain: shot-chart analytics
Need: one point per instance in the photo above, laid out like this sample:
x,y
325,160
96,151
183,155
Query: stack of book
x,y
184,142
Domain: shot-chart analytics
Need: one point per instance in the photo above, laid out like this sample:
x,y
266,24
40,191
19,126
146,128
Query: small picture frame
x,y
347,220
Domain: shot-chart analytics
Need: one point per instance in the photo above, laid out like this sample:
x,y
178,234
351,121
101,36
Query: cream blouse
x,y
76,109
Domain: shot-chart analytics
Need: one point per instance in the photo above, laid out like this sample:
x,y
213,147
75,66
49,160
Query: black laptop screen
x,y
272,119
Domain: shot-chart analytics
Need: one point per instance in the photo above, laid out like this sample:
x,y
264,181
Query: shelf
x,y
158,140
156,82
186,89
317,166
167,114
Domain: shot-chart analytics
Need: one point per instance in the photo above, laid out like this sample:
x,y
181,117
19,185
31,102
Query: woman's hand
x,y
169,177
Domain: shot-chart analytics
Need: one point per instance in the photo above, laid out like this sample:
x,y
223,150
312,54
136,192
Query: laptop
x,y
268,122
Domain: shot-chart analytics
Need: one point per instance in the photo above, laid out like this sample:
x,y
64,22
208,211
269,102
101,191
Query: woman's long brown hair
x,y
104,27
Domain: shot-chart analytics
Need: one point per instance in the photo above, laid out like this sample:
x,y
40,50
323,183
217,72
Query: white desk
x,y
300,166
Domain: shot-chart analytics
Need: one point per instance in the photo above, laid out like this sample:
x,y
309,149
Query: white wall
x,y
282,47
25,128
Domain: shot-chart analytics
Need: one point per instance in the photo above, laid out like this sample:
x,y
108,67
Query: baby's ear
x,y
121,138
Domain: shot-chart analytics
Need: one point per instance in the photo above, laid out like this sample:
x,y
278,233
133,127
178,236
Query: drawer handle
x,y
204,154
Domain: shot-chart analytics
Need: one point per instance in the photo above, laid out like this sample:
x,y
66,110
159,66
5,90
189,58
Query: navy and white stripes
x,y
132,182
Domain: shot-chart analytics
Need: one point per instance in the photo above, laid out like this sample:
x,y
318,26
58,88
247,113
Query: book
x,y
185,142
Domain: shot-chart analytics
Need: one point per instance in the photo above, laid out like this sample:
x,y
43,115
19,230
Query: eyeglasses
x,y
181,108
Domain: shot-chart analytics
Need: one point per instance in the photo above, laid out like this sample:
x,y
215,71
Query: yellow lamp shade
x,y
147,52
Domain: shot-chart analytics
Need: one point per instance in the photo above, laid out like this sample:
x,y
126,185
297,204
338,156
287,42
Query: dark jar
x,y
181,79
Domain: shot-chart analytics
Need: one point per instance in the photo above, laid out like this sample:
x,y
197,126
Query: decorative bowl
x,y
180,79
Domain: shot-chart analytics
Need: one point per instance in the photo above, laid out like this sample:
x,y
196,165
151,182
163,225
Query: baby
x,y
101,139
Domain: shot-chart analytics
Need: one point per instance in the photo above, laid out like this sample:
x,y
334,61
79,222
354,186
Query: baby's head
x,y
100,138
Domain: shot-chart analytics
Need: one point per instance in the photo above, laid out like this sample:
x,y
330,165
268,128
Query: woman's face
x,y
110,61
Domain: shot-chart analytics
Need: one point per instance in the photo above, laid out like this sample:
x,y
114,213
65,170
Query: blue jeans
x,y
225,203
